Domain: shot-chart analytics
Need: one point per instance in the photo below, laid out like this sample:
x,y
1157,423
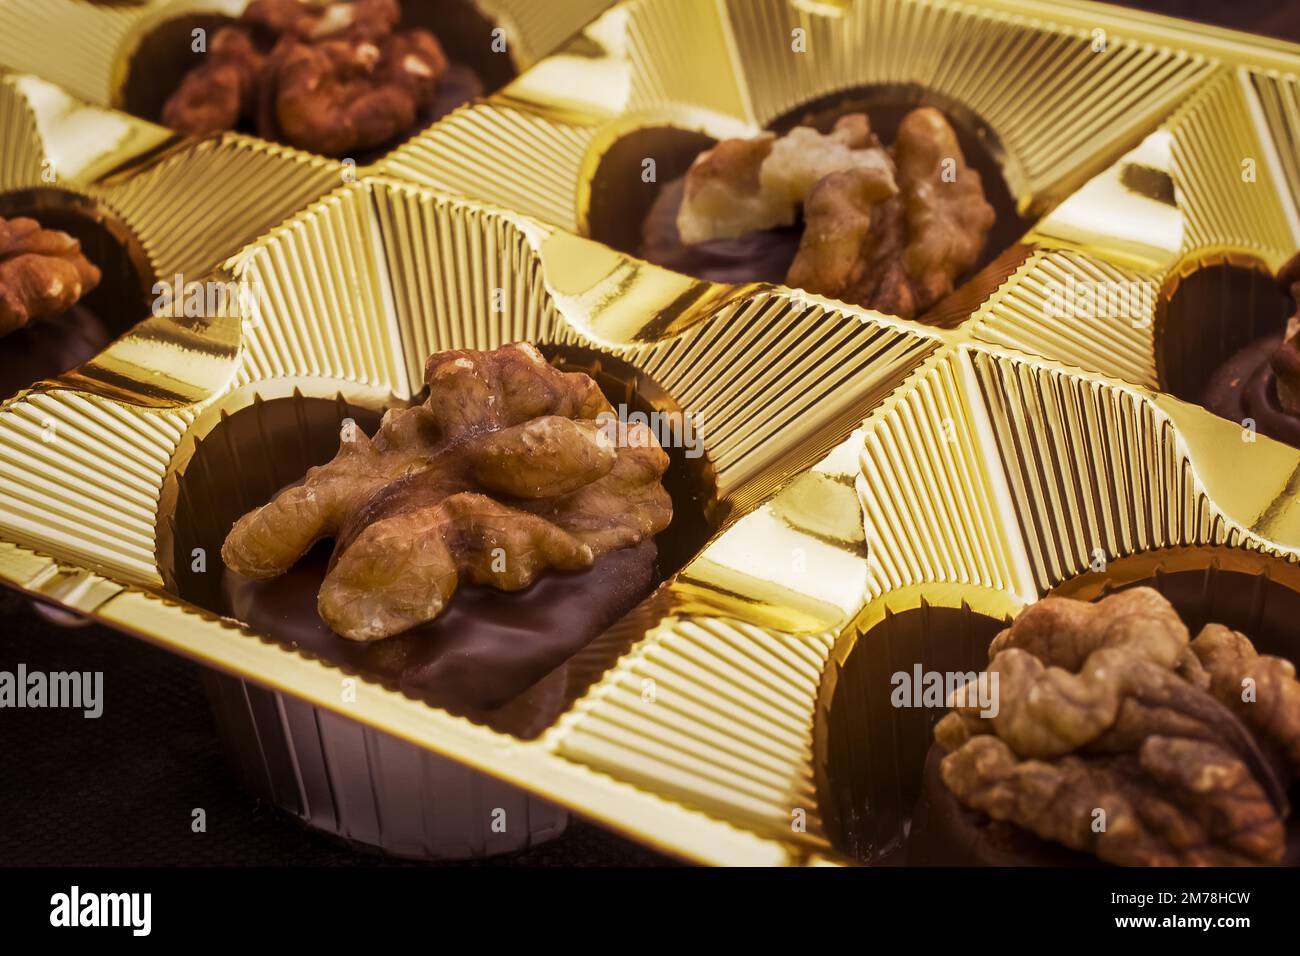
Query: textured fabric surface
x,y
120,790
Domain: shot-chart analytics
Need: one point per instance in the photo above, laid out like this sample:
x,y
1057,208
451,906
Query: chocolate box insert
x,y
55,344
871,757
639,218
493,656
153,65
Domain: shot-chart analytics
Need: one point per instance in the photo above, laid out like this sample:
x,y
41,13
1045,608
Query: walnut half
x,y
42,272
506,470
1115,735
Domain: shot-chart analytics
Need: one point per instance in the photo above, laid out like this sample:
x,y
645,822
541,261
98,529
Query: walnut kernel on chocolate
x,y
503,472
1108,712
42,272
885,229
742,185
333,78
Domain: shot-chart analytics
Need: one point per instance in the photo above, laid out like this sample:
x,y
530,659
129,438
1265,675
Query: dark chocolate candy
x,y
761,256
1243,388
945,833
766,255
486,650
48,347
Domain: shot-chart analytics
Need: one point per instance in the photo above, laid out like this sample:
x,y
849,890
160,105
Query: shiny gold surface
x,y
733,66
863,465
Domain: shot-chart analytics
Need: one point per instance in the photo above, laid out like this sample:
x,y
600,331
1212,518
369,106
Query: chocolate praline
x,y
50,346
484,651
1245,387
944,832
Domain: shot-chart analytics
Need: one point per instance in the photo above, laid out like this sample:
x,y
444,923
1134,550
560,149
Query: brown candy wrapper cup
x,y
371,789
502,660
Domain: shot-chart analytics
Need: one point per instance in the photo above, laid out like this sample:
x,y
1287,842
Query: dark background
x,y
120,790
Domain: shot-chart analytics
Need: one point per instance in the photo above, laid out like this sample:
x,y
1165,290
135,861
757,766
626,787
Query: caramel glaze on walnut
x,y
889,230
506,470
333,78
42,272
1108,712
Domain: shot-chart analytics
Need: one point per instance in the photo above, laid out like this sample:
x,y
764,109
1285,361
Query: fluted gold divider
x,y
1098,470
20,162
1223,173
715,713
83,59
1205,184
1278,96
1060,102
328,266
81,478
538,28
196,206
934,505
1026,312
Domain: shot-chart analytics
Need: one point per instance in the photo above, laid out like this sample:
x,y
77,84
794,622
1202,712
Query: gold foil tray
x,y
863,468
1058,92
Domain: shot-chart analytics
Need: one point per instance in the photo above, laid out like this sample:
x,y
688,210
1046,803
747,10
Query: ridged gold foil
x,y
865,466
1183,196
390,272
733,66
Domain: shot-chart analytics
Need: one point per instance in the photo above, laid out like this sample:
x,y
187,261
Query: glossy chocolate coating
x,y
945,833
481,654
761,256
50,346
1243,387
766,255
